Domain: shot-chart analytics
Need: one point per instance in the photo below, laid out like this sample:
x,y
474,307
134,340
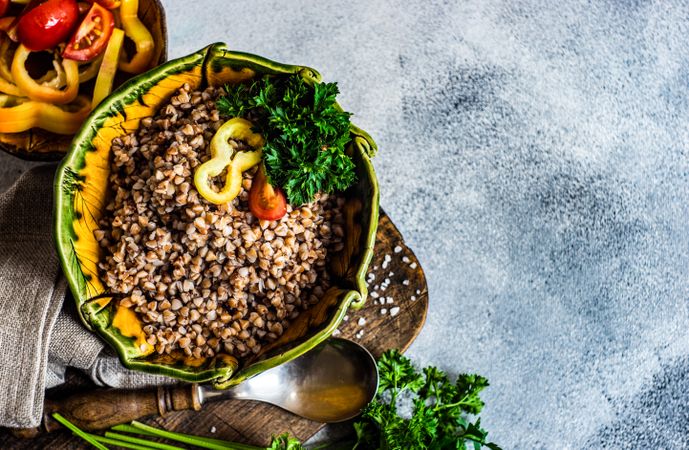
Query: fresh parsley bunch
x,y
440,409
305,132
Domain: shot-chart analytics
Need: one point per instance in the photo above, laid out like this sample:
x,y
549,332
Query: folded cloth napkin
x,y
39,335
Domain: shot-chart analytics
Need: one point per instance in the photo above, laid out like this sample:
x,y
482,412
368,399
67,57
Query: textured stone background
x,y
535,157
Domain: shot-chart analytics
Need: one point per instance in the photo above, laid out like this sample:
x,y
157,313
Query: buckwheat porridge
x,y
206,278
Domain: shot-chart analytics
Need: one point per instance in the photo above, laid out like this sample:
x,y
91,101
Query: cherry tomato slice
x,y
92,36
265,201
4,5
46,23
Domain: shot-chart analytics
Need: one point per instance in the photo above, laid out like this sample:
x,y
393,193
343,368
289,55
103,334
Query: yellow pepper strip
x,y
6,84
108,68
89,70
137,32
221,159
5,57
20,115
36,91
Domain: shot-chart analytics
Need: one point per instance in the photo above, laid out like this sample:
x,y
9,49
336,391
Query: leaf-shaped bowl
x,y
41,145
81,193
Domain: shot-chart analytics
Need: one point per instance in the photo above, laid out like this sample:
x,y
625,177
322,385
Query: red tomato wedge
x,y
265,201
92,36
4,5
45,23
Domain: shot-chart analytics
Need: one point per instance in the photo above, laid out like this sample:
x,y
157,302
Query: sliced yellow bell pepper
x,y
20,114
35,90
108,68
221,159
89,70
137,32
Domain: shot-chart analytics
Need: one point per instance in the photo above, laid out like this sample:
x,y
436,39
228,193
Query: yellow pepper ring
x,y
221,159
5,57
36,91
29,114
139,34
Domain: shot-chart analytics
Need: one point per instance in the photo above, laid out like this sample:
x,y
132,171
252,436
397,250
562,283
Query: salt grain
x,y
383,311
337,332
413,265
394,311
413,298
418,292
405,282
345,318
384,265
213,429
406,260
391,274
398,249
390,300
361,322
374,295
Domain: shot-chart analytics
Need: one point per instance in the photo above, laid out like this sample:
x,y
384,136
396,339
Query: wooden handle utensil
x,y
101,409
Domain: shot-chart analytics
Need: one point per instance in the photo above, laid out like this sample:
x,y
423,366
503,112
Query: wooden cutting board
x,y
392,318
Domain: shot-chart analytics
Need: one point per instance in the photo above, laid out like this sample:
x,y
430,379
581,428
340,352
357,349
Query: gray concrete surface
x,y
535,157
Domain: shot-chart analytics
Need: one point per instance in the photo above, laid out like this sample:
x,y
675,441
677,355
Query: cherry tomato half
x,y
4,5
92,36
46,23
265,201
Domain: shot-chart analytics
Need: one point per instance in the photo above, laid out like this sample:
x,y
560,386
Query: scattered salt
x,y
383,311
337,332
381,300
418,292
398,249
374,295
384,265
394,311
406,260
391,274
413,265
405,282
345,318
386,282
376,287
387,258
360,334
213,429
390,300
375,267
361,321
413,298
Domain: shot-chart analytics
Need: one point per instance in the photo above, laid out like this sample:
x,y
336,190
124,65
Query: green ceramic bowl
x,y
81,193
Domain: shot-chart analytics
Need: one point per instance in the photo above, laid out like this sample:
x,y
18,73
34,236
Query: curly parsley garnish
x,y
306,133
439,412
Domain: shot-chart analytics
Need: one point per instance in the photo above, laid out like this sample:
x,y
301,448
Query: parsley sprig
x,y
306,133
439,414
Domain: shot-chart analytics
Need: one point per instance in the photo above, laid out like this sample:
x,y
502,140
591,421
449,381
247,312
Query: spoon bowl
x,y
331,383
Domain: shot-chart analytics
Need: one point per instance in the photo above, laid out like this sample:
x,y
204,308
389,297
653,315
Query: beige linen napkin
x,y
39,337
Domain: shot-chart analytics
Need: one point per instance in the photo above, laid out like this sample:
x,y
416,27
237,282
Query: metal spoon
x,y
331,383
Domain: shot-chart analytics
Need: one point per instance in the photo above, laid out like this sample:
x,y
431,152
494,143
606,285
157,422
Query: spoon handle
x,y
100,409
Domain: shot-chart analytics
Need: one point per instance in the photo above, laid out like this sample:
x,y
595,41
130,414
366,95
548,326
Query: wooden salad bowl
x,y
81,194
41,145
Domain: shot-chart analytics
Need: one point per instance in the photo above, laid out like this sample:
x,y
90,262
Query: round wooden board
x,y
254,423
41,145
